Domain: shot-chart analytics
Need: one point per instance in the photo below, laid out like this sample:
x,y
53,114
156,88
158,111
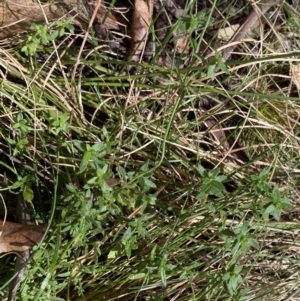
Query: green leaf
x,y
137,276
70,27
222,66
227,233
269,208
15,185
276,214
202,196
285,204
253,243
71,188
104,187
85,161
112,254
54,35
216,192
149,183
238,269
207,189
61,32
211,71
162,272
28,194
81,146
145,166
130,245
92,181
128,233
153,253
97,147
215,173
220,178
218,186
193,23
203,173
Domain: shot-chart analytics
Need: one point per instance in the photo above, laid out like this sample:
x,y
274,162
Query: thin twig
x,y
15,160
253,18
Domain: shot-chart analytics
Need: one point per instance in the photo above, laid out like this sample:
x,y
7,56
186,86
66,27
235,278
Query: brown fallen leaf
x,y
18,238
25,220
140,23
112,182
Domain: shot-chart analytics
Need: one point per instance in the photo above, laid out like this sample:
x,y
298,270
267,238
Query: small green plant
x,y
24,185
42,36
60,123
274,202
239,240
212,184
219,64
22,125
270,201
164,230
194,24
232,278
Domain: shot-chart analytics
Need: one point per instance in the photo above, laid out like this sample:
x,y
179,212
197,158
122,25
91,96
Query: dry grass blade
x,y
170,211
252,20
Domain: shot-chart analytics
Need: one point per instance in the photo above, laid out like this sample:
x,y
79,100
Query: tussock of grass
x,y
186,219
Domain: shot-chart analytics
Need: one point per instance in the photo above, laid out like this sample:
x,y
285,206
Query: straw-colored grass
x,y
187,220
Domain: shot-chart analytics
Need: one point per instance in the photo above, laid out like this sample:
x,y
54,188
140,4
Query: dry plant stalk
x,y
257,12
